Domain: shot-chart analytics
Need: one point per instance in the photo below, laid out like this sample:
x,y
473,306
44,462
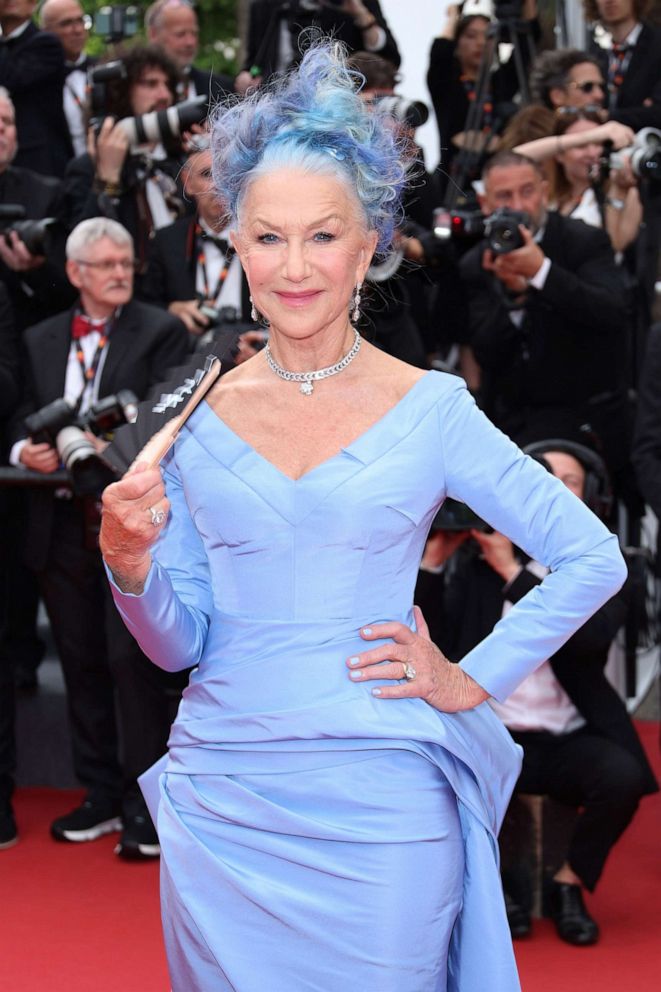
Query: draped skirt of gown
x,y
314,837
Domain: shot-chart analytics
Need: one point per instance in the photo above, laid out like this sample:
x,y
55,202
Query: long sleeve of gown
x,y
519,498
170,618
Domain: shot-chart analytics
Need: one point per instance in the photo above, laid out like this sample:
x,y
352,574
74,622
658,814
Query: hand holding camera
x,y
15,254
190,313
109,149
515,268
41,457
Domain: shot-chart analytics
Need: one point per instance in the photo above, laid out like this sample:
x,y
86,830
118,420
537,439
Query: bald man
x,y
67,20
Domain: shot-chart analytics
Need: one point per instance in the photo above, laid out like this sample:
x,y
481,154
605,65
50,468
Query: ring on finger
x,y
409,671
157,516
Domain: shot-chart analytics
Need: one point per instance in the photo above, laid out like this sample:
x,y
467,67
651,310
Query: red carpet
x,y
77,919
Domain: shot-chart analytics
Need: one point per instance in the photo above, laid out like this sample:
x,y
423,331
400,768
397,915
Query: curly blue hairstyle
x,y
313,119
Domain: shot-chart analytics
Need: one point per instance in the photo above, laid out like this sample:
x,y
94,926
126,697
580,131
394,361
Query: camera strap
x,y
228,254
89,371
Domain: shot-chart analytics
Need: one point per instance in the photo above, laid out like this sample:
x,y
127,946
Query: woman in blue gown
x,y
328,808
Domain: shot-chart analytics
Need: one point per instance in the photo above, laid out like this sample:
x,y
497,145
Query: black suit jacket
x,y
32,69
472,604
264,33
211,84
172,269
646,454
43,291
144,344
642,80
572,346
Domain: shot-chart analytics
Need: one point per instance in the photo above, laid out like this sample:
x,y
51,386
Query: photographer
x,y
105,343
579,188
68,22
193,269
462,51
579,744
135,184
34,272
548,320
274,27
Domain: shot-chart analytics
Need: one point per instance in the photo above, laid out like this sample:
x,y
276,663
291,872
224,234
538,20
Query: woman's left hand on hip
x,y
417,667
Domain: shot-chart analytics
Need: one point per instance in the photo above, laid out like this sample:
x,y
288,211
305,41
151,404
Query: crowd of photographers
x,y
526,261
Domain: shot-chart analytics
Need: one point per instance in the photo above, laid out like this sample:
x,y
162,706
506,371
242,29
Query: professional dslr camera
x,y
58,424
36,235
501,228
644,155
412,113
158,125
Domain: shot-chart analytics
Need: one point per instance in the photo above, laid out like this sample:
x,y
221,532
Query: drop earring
x,y
253,311
355,316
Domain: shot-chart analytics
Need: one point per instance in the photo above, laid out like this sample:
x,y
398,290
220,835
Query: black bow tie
x,y
221,244
71,67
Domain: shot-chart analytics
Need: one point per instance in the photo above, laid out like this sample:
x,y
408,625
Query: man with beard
x,y
135,185
105,343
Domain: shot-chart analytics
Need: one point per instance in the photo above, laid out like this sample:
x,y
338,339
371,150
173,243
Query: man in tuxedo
x,y
173,25
106,342
548,321
36,283
135,184
211,276
68,22
32,69
632,64
274,27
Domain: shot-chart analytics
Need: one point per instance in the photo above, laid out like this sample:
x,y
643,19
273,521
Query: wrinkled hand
x,y
443,685
498,552
16,256
39,457
127,532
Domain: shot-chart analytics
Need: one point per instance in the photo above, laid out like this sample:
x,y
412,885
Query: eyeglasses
x,y
84,21
589,85
108,264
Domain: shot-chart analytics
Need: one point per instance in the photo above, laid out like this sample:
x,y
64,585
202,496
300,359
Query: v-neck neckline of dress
x,y
357,442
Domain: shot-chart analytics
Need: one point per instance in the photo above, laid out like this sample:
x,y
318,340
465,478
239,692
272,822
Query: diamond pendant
x,y
306,388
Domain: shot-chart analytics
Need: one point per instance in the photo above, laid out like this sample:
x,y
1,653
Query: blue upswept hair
x,y
313,119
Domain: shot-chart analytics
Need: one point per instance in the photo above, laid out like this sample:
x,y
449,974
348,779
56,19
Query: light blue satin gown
x,y
314,837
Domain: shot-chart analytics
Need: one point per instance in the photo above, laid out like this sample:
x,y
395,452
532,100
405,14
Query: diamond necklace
x,y
307,379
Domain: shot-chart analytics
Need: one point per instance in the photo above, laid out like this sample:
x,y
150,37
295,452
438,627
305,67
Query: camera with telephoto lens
x,y
156,126
501,228
58,424
644,155
36,235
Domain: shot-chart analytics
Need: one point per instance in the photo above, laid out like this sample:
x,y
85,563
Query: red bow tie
x,y
82,326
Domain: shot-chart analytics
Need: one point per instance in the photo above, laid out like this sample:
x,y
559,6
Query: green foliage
x,y
219,41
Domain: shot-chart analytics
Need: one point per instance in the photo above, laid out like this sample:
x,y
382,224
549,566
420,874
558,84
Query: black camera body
x,y
59,425
36,235
501,228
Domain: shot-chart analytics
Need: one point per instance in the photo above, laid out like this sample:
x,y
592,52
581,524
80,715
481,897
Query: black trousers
x,y
120,705
591,772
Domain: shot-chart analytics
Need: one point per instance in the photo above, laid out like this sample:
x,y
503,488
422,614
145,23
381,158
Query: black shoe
x,y
89,821
8,831
567,910
518,918
138,840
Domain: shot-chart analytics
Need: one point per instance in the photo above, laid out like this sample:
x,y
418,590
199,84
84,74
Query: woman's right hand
x,y
134,512
619,134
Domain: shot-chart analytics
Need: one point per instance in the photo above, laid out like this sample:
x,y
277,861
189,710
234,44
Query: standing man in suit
x,y
274,27
106,342
548,322
32,69
68,22
173,25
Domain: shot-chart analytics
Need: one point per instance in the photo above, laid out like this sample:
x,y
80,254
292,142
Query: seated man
x,y
548,322
579,745
105,343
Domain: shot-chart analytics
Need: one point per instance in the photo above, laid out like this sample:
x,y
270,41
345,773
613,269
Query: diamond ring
x,y
157,516
409,671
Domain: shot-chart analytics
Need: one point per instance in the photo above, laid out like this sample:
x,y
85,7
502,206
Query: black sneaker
x,y
89,821
8,831
138,840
